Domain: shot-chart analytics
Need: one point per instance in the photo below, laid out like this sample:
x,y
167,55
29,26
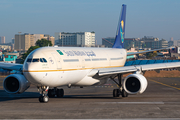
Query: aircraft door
x,y
57,60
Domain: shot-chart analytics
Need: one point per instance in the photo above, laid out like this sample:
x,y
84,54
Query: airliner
x,y
51,67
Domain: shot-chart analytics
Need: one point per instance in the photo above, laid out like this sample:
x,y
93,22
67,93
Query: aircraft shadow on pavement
x,y
89,97
27,95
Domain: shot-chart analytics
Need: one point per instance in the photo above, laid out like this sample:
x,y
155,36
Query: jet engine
x,y
15,84
135,83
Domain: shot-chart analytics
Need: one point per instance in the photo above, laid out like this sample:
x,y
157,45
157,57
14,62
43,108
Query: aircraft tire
x,y
43,99
124,93
116,92
60,92
50,93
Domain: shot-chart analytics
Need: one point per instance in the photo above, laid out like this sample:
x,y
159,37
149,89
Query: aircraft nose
x,y
29,72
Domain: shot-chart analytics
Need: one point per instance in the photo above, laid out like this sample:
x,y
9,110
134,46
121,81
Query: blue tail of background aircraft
x,y
119,40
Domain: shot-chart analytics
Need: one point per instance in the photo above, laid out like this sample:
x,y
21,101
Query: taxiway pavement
x,y
160,100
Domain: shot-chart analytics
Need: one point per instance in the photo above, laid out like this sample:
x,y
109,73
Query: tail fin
x,y
119,40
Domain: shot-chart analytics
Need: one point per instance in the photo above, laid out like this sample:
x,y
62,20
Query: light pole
x,y
19,43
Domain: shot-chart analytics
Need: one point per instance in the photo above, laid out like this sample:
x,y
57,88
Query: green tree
x,y
27,53
151,55
43,42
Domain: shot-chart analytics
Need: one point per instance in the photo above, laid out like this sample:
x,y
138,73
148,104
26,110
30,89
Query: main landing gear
x,y
46,93
120,91
56,92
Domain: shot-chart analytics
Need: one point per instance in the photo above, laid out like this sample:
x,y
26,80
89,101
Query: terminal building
x,y
146,42
75,39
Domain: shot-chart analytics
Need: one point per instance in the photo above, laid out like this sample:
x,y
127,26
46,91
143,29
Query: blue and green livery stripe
x,y
59,52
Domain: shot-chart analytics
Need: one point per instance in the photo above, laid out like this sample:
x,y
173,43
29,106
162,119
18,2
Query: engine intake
x,y
15,83
135,83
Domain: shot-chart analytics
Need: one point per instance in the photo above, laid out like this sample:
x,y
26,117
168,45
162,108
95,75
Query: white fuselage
x,y
58,66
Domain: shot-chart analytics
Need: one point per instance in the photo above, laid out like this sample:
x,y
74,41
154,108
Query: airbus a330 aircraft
x,y
52,67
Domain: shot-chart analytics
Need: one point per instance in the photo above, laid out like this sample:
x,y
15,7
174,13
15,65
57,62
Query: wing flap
x,y
116,70
129,69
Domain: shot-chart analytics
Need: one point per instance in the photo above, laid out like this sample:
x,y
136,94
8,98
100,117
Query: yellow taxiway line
x,y
164,84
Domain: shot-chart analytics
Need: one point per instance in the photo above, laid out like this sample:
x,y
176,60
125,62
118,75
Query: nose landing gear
x,y
46,93
43,91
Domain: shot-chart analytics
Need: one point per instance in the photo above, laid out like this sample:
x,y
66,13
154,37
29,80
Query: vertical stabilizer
x,y
119,40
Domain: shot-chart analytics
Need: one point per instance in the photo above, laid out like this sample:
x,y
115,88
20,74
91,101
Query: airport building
x,y
50,38
174,43
128,42
153,43
2,39
38,37
43,36
12,40
146,42
23,42
75,39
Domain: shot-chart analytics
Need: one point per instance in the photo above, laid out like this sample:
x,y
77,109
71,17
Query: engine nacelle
x,y
135,83
15,84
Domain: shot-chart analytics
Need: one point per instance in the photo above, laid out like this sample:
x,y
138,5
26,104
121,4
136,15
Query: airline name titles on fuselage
x,y
79,53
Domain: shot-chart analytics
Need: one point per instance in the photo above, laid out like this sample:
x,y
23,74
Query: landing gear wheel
x,y
60,92
116,93
43,91
44,99
124,93
51,93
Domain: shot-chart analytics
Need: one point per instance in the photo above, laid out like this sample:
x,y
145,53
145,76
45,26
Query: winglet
x,y
119,40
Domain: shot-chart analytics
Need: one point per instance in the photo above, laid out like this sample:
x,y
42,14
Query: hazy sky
x,y
158,18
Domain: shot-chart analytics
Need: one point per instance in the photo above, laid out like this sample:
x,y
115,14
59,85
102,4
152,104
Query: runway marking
x,y
158,103
164,84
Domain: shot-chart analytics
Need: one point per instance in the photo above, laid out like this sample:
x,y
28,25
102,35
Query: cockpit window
x,y
44,60
35,60
29,60
41,60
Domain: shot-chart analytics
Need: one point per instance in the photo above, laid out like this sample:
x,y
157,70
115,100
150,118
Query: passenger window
x,y
29,60
36,60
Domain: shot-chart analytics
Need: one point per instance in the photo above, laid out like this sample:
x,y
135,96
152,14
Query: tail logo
x,y
122,24
121,31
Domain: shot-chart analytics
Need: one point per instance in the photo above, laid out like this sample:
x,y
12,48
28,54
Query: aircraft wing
x,y
128,69
11,66
135,53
